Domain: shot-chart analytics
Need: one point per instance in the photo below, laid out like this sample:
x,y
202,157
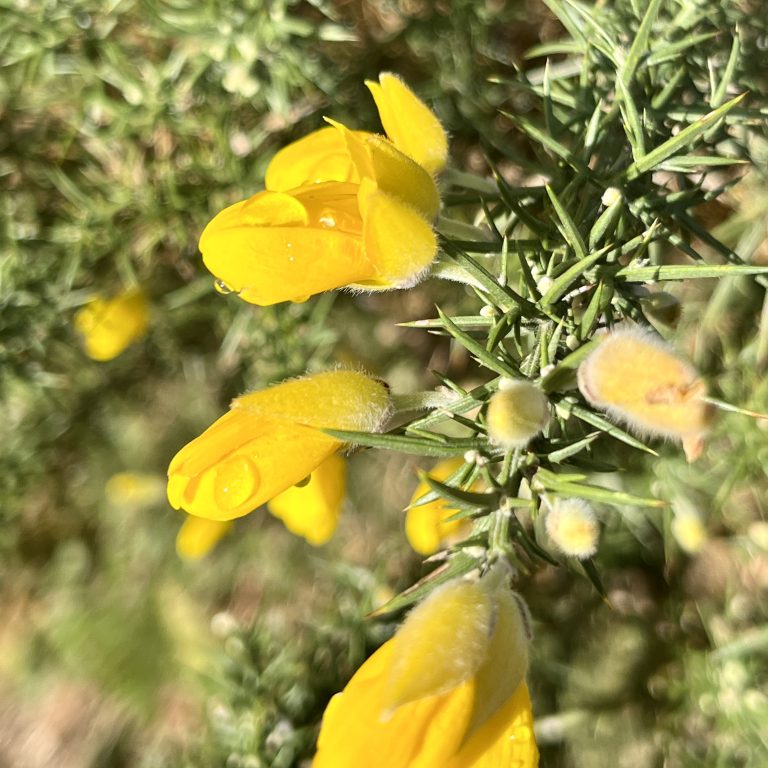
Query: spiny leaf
x,y
406,444
458,565
561,454
685,138
605,495
465,498
684,272
568,227
594,576
476,349
639,44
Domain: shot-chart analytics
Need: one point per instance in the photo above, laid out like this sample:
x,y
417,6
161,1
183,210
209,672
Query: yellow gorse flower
x,y
198,536
340,208
109,326
270,440
447,691
312,510
639,379
426,525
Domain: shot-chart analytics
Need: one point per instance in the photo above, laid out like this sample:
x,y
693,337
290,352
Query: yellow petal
x,y
398,242
222,475
329,400
271,440
426,526
505,740
409,123
442,643
267,250
198,536
506,661
109,326
320,156
312,510
637,378
420,734
394,172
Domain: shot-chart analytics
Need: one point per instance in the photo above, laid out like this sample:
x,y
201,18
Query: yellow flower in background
x,y
426,526
688,526
198,536
109,326
270,440
639,379
447,691
135,489
341,208
312,510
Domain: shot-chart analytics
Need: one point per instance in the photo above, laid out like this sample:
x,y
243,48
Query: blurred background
x,y
124,126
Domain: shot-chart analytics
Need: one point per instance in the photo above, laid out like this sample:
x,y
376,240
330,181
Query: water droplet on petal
x,y
222,288
327,220
236,480
300,299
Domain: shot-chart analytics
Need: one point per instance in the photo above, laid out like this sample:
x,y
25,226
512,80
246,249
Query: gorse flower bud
x,y
426,525
516,413
271,440
109,326
312,510
341,208
448,691
573,528
638,379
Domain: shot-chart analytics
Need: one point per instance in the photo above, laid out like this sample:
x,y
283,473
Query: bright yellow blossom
x,y
426,525
639,379
109,326
270,440
198,536
312,510
341,208
447,691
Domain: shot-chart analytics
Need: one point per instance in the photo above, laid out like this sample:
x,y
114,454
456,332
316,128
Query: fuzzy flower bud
x,y
447,691
573,528
639,379
516,413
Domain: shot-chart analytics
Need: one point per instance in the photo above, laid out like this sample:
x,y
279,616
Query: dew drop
x,y
236,480
299,299
303,483
222,288
327,220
